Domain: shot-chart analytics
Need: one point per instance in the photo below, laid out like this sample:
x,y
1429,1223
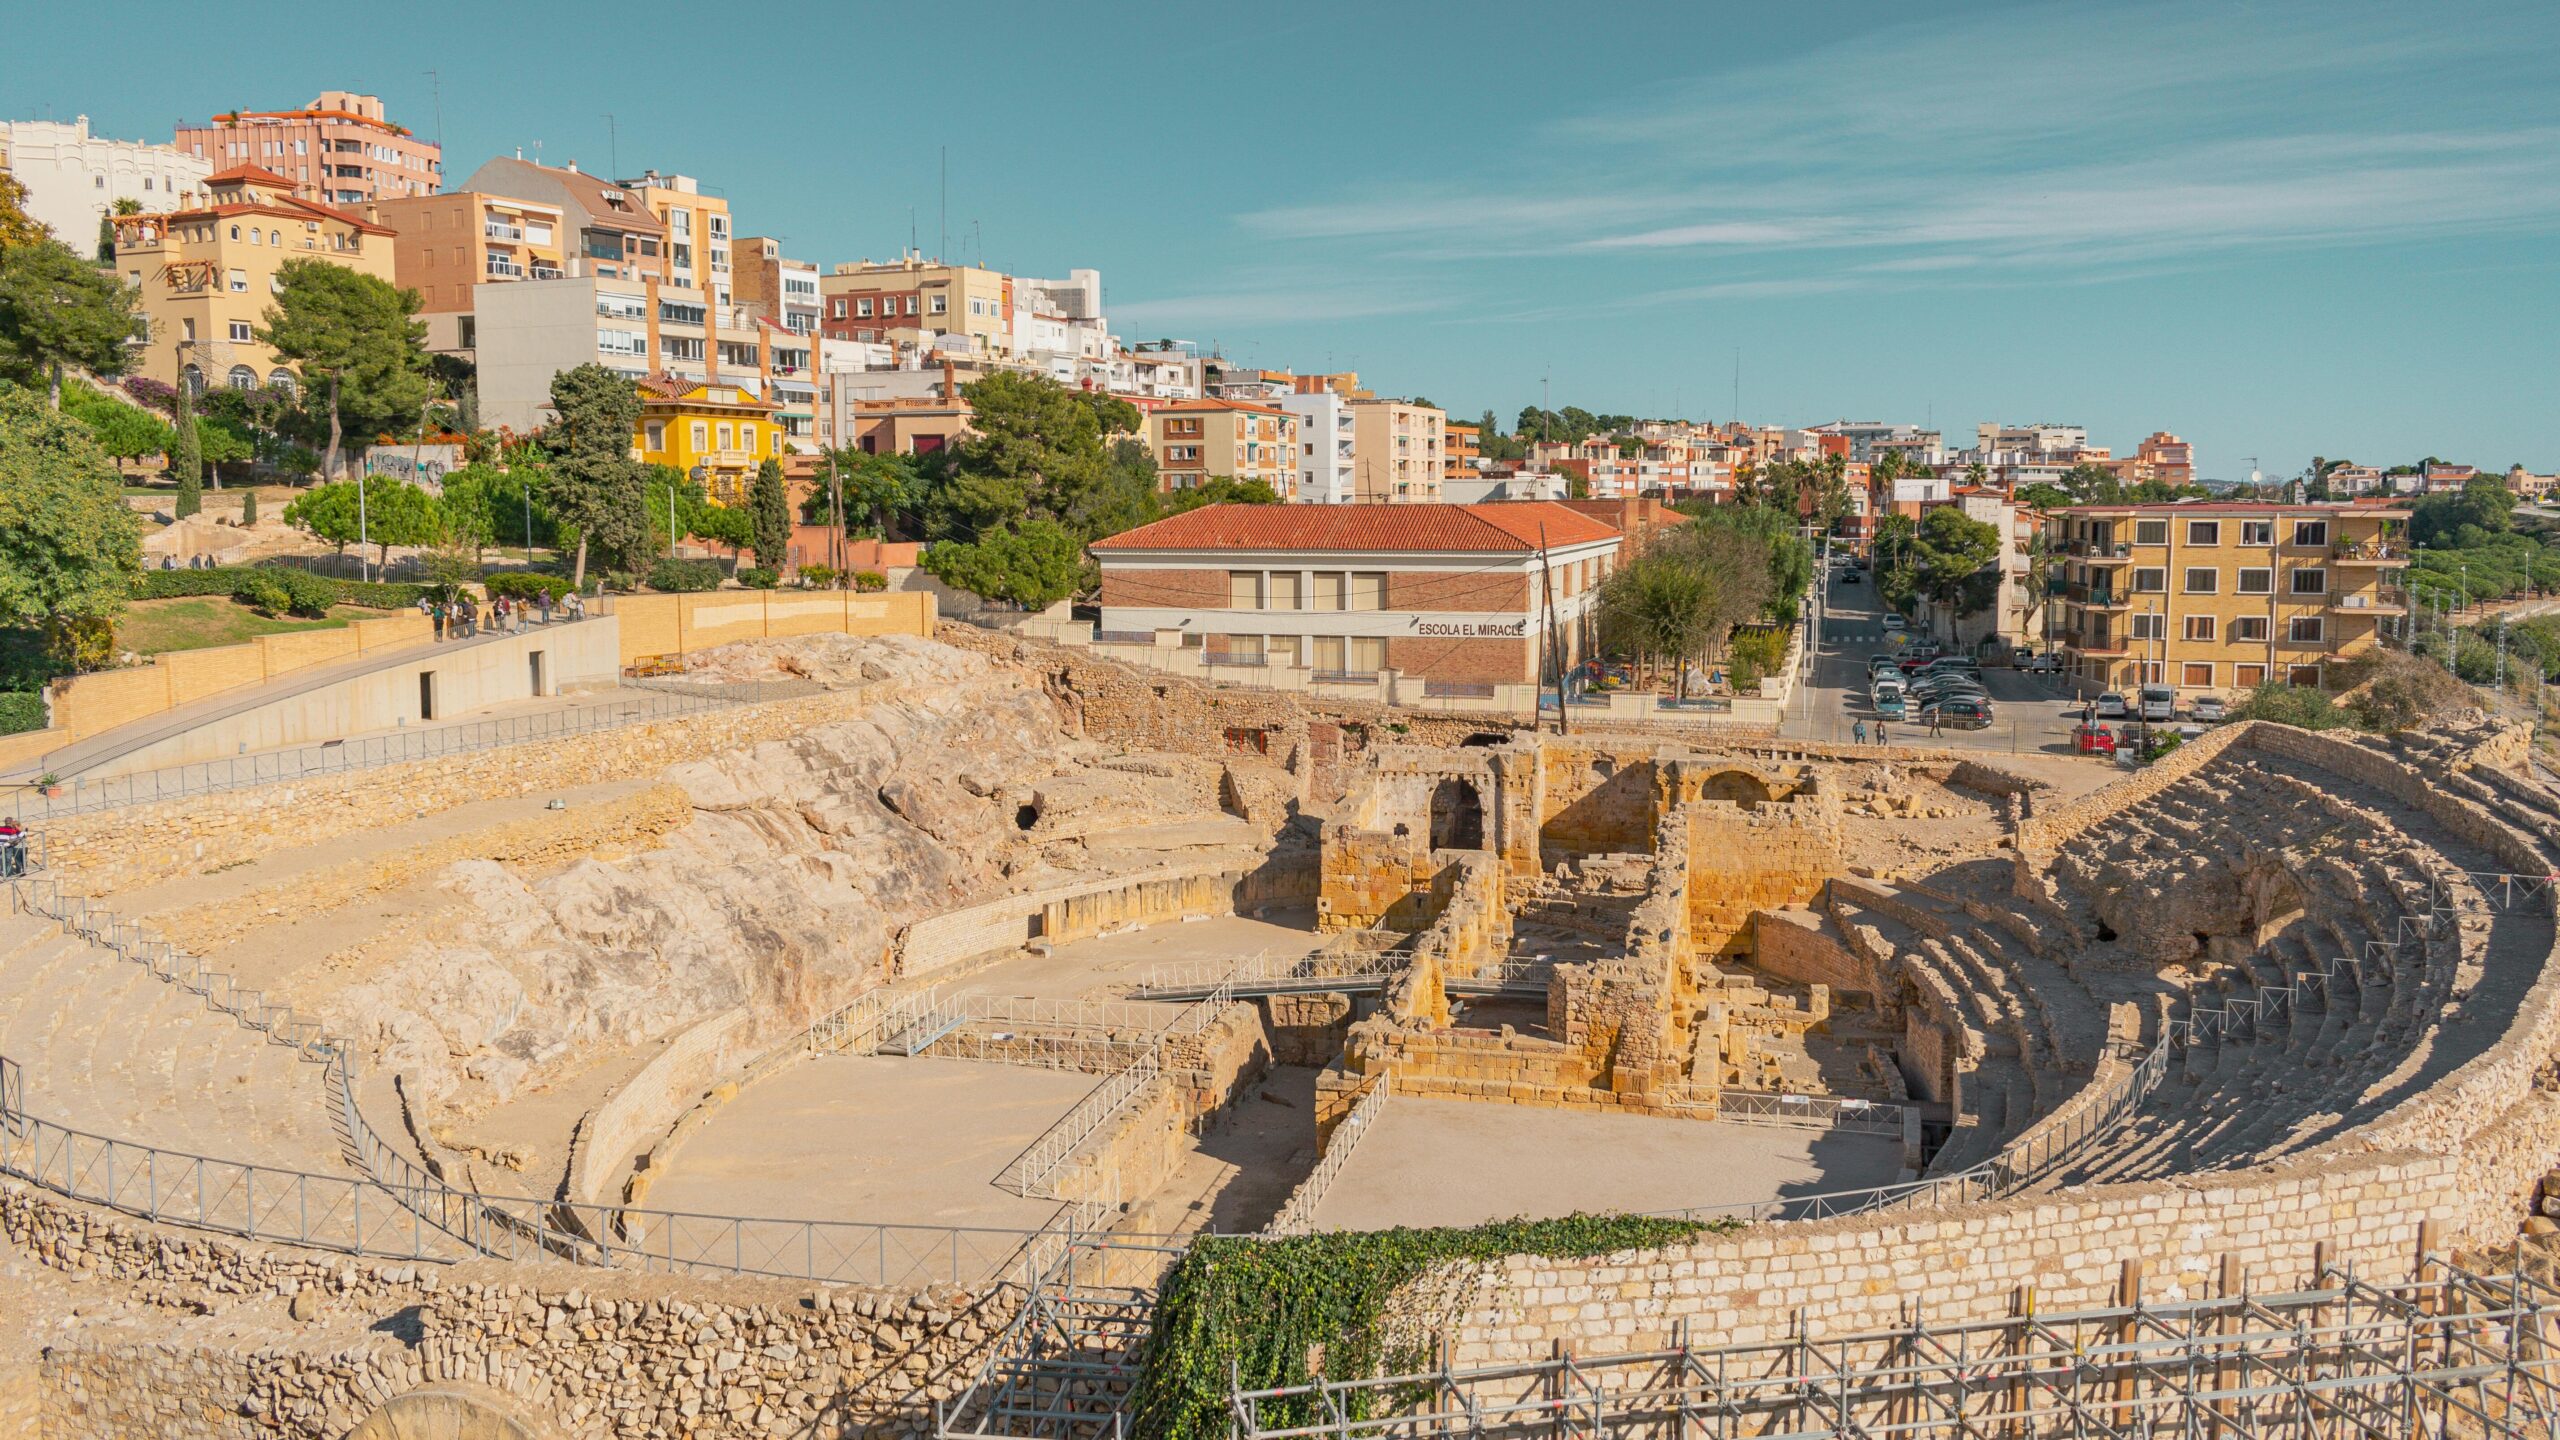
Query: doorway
x,y
533,673
426,694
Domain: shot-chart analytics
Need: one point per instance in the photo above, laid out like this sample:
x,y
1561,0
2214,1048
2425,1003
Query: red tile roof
x,y
250,173
1511,526
1217,404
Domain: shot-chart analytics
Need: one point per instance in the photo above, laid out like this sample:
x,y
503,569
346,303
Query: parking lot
x,y
2029,712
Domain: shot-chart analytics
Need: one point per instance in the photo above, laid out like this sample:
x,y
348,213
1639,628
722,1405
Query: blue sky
x,y
2278,229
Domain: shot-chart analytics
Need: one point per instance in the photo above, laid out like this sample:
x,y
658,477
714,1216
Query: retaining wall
x,y
661,625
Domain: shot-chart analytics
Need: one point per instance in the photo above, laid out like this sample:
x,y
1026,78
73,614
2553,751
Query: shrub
x,y
758,577
249,508
2297,705
527,585
868,581
1756,653
684,575
172,584
818,577
21,710
379,594
308,594
265,592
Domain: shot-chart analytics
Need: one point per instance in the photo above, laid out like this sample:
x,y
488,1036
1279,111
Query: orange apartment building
x,y
2221,597
1199,439
447,246
340,149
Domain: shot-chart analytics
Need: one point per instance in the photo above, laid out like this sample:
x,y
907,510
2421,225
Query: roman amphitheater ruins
x,y
850,1053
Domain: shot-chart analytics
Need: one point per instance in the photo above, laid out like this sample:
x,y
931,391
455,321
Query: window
x,y
2257,532
2200,627
911,305
256,237
2306,630
657,432
1328,595
2198,674
1328,653
243,378
2307,676
2249,627
2149,625
2311,534
2204,532
701,436
2312,581
2248,677
2150,532
1284,590
235,232
725,436
2202,580
1244,589
240,331
2256,582
861,307
2150,580
2153,672
747,438
941,305
240,281
1368,591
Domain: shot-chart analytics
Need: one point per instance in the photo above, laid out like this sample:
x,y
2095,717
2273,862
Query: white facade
x,y
74,177
1326,452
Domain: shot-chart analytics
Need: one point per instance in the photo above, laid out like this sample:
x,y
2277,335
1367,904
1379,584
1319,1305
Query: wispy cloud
x,y
2075,139
1318,301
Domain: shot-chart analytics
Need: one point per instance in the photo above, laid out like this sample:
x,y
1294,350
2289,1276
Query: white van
x,y
2159,702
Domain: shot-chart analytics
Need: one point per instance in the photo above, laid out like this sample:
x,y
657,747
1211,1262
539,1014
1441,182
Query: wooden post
x,y
2233,1283
2128,1294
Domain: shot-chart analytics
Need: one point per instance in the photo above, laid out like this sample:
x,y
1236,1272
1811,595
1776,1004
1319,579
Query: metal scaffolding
x,y
2448,1354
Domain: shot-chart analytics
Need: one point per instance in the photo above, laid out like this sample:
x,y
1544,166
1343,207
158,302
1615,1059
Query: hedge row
x,y
233,579
21,710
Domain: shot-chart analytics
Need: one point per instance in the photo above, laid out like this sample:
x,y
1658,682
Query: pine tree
x,y
249,507
186,458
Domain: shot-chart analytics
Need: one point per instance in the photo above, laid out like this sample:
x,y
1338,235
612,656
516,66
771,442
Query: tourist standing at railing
x,y
13,849
545,602
435,616
577,606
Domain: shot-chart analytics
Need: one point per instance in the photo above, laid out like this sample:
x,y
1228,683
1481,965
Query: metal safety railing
x,y
1297,1215
1035,1171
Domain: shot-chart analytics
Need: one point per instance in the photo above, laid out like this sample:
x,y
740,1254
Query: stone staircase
x,y
106,1047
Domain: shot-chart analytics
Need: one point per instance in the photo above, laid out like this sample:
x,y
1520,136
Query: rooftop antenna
x,y
911,229
612,145
435,83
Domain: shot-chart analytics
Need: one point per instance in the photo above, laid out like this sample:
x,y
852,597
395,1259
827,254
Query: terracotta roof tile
x,y
1502,526
251,173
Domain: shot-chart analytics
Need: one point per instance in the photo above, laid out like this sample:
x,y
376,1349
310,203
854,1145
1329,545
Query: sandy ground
x,y
1458,1162
1108,964
876,1138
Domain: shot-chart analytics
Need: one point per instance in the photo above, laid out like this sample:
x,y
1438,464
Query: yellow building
x,y
718,434
2220,597
208,274
1201,439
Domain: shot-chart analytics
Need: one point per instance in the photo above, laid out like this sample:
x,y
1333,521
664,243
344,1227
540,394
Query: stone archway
x,y
1457,815
1742,787
455,1410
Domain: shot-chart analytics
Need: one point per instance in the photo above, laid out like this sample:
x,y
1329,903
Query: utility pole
x,y
1555,648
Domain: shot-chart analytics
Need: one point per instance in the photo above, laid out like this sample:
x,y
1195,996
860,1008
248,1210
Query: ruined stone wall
x,y
2057,824
1746,859
642,1107
1793,946
1597,799
1306,1029
1086,908
606,1355
1371,877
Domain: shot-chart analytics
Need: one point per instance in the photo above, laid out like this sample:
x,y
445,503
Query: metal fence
x,y
1298,1213
1035,1171
1812,1112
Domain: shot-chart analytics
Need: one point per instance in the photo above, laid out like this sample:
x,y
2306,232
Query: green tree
x,y
394,512
127,432
1115,415
69,549
1034,564
220,442
470,506
769,501
187,458
595,484
58,310
2043,496
2090,483
326,512
2484,503
1953,548
353,339
1223,490
1037,451
1662,609
17,227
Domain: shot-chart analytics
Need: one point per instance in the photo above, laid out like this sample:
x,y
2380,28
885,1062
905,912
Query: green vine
x,y
1267,1313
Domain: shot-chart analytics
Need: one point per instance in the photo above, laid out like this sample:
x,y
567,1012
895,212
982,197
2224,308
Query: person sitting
x,y
13,849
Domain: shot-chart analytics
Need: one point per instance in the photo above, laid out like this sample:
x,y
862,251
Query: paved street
x,y
2029,711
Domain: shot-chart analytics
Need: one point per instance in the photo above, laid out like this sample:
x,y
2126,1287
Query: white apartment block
x,y
1328,446
74,177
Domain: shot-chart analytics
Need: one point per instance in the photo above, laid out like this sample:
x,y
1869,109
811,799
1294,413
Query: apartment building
x,y
74,178
2220,597
1465,448
1399,452
1328,434
1871,440
446,246
906,426
208,272
528,331
717,434
1451,594
341,149
2526,485
605,229
920,300
698,250
775,286
1197,440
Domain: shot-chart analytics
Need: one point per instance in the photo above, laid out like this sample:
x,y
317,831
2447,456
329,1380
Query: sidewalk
x,y
79,756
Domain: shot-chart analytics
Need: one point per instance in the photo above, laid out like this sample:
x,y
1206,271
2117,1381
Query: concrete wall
x,y
467,677
1088,908
657,625
642,1107
85,705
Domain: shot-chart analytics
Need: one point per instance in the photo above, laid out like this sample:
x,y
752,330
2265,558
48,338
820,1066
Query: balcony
x,y
2092,597
2099,553
729,459
2392,551
2384,600
2093,643
497,231
502,268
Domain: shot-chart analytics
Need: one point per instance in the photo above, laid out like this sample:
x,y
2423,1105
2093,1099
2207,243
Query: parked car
x,y
2092,740
1894,624
1852,577
1946,664
1958,714
2111,706
2159,704
1877,664
1890,704
2209,710
2047,663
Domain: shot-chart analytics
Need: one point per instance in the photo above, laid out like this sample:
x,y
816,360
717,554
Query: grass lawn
x,y
154,627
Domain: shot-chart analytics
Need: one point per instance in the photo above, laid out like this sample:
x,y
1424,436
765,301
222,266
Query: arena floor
x,y
1462,1162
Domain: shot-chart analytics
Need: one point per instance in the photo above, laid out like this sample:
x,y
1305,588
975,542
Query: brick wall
x,y
1464,661
1507,593
1148,588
